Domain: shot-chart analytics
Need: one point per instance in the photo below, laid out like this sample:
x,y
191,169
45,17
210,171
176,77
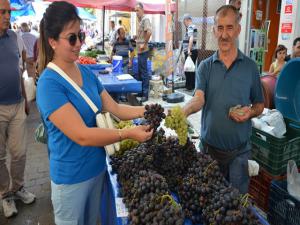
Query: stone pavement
x,y
37,181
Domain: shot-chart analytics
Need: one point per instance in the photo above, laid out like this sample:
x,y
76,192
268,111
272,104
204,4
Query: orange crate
x,y
259,188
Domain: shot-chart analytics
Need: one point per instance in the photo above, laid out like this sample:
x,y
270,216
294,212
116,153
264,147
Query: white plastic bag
x,y
30,88
293,179
189,65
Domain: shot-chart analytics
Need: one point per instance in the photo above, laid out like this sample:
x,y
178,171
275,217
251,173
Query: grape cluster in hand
x,y
154,114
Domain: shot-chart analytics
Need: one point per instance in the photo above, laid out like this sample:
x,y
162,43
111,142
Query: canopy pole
x,y
103,23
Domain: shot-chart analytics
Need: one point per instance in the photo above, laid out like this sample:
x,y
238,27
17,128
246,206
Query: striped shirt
x,y
122,49
191,30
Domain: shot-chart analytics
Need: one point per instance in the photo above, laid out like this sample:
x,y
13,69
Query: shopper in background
x,y
122,47
280,54
112,33
29,41
227,79
77,158
143,35
13,109
295,50
189,46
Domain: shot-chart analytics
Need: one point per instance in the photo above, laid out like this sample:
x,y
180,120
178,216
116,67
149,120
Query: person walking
x,y
13,109
226,79
75,144
29,41
189,46
142,39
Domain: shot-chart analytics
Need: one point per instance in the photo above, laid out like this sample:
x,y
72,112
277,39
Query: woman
x,y
122,47
280,54
77,162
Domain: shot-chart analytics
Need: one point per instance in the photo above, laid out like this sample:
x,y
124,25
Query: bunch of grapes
x,y
177,121
126,144
154,114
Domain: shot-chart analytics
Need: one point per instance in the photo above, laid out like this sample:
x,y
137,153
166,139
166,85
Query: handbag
x,y
103,120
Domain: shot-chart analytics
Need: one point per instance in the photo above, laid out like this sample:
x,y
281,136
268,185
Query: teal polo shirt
x,y
224,88
10,89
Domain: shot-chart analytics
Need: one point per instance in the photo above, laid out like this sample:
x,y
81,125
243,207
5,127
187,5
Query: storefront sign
x,y
169,39
286,28
288,9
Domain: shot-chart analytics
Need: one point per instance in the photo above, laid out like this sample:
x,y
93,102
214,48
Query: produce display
x,y
93,53
153,173
177,121
87,60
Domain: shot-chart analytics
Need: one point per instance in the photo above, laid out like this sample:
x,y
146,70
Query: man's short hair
x,y
295,41
140,5
223,10
113,22
25,27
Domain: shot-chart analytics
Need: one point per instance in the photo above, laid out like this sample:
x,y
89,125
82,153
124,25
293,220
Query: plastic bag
x,y
189,65
293,179
29,88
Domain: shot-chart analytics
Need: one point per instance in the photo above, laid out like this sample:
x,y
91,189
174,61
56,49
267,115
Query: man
x,y
142,39
122,47
189,46
29,41
295,50
236,3
227,79
112,33
12,118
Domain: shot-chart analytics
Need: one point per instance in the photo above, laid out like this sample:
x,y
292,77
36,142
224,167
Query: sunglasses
x,y
4,11
73,38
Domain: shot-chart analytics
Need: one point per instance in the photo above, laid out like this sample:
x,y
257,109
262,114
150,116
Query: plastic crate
x,y
259,188
283,208
273,153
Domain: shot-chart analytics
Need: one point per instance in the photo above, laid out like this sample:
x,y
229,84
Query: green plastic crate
x,y
273,153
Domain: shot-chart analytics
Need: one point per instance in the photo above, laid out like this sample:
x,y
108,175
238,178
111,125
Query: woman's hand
x,y
139,133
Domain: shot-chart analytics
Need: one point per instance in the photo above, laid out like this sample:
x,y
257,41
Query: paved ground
x,y
36,180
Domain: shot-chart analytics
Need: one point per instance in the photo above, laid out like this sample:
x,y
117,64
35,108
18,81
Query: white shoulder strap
x,y
77,88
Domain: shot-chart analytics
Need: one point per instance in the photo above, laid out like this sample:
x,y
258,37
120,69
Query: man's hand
x,y
142,47
129,63
241,115
189,53
26,107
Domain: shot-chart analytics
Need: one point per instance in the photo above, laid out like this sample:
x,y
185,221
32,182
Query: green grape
x,y
124,124
176,120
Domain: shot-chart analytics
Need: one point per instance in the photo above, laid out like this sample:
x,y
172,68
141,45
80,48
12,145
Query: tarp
x,y
25,10
150,7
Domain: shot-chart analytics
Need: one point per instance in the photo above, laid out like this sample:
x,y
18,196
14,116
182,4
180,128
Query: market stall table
x,y
114,209
113,85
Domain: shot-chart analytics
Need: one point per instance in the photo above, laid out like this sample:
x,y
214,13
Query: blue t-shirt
x,y
225,88
10,78
69,162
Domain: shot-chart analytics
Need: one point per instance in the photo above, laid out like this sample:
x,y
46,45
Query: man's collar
x,y
240,56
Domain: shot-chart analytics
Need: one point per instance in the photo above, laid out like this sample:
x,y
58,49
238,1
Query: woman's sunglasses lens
x,y
73,39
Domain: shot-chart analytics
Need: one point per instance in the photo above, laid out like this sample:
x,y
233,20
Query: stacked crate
x,y
272,154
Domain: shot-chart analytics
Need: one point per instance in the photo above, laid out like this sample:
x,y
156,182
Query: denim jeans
x,y
234,170
143,72
77,204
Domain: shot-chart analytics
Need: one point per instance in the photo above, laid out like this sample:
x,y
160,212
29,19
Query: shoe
x,y
144,99
25,196
9,207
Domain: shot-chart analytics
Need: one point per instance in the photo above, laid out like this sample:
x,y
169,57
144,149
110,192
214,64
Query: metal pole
x,y
103,23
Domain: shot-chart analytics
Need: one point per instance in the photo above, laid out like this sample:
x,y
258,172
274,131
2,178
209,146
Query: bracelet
x,y
120,134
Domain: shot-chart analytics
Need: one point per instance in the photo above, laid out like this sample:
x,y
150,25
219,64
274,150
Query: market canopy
x,y
150,6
